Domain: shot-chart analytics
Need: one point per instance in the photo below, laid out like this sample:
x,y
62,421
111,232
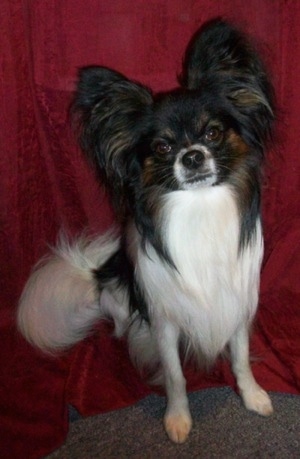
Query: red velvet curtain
x,y
46,185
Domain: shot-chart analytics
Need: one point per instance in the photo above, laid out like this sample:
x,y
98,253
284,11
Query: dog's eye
x,y
162,148
213,134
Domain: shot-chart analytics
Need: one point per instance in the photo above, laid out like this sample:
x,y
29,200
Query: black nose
x,y
193,159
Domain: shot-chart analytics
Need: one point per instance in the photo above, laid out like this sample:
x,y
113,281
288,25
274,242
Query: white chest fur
x,y
215,288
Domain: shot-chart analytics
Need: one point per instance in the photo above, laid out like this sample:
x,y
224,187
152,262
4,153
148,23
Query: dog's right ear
x,y
220,53
113,115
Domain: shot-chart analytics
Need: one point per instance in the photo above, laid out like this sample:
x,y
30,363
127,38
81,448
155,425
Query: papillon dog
x,y
180,275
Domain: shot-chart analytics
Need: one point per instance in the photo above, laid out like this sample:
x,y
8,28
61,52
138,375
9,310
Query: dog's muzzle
x,y
195,167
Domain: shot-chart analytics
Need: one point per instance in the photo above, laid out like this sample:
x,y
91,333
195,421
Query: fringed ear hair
x,y
253,108
220,53
113,115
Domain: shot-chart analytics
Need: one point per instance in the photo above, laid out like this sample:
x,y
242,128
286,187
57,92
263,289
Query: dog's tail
x,y
60,302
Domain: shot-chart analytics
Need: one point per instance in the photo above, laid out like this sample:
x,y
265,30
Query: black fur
x,y
119,268
112,109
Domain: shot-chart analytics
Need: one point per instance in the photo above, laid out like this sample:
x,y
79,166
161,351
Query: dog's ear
x,y
221,54
113,114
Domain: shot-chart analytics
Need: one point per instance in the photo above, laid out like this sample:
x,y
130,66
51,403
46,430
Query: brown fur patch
x,y
204,118
168,134
247,98
237,144
148,171
240,177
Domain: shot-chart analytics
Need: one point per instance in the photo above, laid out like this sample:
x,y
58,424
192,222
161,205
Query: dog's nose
x,y
193,159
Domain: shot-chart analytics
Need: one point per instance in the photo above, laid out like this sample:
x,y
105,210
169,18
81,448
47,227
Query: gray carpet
x,y
222,428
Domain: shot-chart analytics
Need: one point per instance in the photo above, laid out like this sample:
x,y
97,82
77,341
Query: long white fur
x,y
214,289
210,298
60,302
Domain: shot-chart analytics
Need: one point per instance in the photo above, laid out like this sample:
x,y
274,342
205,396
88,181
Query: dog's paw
x,y
257,399
178,426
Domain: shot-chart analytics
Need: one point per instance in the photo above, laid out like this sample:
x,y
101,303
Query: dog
x,y
180,274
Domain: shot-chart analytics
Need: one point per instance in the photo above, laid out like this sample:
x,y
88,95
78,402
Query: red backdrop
x,y
46,185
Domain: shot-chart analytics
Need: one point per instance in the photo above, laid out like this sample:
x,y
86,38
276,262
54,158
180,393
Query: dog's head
x,y
206,132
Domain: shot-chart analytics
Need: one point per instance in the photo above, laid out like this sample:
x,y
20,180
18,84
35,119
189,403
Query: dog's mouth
x,y
199,180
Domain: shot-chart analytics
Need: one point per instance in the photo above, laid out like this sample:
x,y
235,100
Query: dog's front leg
x,y
254,397
177,419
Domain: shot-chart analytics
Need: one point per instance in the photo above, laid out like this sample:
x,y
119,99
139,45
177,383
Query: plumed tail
x,y
60,303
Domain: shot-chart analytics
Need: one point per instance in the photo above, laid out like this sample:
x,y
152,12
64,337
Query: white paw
x,y
178,426
257,399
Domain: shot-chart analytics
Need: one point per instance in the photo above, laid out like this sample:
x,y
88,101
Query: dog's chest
x,y
214,287
201,231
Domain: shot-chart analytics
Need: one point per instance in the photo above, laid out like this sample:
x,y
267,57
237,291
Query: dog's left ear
x,y
113,114
222,54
